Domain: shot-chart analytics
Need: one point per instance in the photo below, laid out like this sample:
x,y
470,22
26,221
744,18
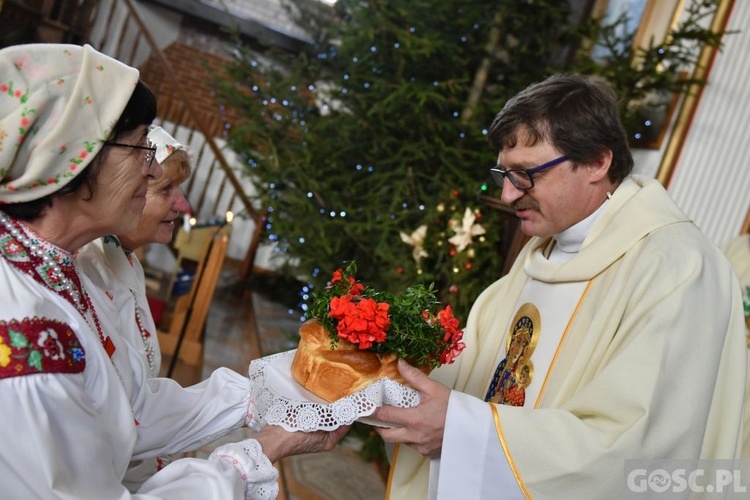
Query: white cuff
x,y
261,477
252,420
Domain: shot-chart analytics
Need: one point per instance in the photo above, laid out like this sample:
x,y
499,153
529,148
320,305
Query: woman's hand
x,y
278,443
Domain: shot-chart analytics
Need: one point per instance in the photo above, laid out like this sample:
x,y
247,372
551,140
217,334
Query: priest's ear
x,y
598,167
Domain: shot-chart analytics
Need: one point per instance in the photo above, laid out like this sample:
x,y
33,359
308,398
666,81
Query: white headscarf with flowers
x,y
58,102
164,143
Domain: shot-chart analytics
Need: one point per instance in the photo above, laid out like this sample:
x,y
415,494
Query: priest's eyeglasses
x,y
149,151
522,178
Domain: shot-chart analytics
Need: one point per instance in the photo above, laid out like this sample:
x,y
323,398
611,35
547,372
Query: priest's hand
x,y
422,426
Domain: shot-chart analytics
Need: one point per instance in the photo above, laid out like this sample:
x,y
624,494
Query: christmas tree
x,y
371,146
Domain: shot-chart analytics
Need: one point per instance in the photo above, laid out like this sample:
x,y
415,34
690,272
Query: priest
x,y
617,338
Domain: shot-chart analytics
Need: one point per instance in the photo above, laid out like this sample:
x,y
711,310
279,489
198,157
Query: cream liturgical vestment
x,y
649,362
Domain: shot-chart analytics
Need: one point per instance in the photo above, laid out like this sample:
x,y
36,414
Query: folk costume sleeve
x,y
171,418
68,428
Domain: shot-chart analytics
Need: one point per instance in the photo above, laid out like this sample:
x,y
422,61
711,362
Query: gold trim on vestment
x,y
511,463
391,471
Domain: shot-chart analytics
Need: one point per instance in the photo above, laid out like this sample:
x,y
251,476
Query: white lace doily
x,y
281,400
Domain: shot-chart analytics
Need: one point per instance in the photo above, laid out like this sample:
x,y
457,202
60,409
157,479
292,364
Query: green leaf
x,y
34,359
18,339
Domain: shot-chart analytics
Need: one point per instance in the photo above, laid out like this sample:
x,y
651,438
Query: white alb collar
x,y
568,242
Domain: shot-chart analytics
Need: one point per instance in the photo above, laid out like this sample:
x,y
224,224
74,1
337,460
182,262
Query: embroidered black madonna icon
x,y
514,373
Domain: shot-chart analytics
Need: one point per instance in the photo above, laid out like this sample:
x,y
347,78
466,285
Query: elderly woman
x,y
74,166
112,264
208,410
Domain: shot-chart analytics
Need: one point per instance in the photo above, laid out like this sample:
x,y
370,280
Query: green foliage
x,y
380,128
412,325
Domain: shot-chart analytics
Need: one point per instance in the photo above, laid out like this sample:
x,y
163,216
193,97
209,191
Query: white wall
x,y
164,25
711,180
107,33
242,226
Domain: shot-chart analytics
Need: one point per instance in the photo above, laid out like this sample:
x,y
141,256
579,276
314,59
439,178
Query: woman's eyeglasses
x,y
148,158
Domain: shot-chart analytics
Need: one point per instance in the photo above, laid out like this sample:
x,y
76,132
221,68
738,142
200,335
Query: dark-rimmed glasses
x,y
522,178
148,157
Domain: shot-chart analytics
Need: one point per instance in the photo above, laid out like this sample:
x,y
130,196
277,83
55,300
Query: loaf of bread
x,y
332,374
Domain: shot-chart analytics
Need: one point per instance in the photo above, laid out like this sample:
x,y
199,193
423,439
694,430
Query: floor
x,y
249,321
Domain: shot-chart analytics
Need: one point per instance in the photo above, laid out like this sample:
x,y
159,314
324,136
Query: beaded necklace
x,y
145,335
50,266
130,257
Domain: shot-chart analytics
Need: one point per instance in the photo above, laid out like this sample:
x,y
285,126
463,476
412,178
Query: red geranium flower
x,y
337,275
363,322
411,325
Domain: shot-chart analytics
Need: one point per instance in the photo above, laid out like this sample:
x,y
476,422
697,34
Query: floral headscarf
x,y
58,102
164,143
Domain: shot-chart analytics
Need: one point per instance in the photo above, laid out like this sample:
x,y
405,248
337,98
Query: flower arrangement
x,y
413,325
